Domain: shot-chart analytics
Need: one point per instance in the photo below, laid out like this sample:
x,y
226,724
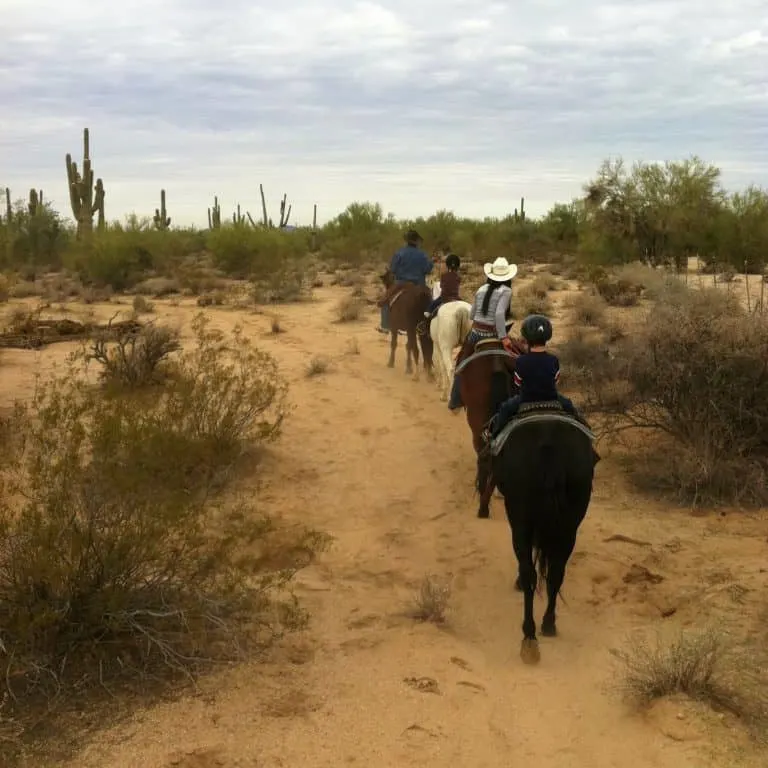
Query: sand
x,y
377,461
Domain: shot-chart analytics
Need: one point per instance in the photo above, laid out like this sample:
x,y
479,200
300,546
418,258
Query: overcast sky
x,y
418,104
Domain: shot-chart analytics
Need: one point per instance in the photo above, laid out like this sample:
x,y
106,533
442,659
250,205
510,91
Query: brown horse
x,y
485,382
407,304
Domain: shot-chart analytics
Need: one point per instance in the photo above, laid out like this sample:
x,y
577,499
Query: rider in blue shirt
x,y
410,264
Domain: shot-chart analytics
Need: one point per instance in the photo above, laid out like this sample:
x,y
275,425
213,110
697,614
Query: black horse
x,y
545,471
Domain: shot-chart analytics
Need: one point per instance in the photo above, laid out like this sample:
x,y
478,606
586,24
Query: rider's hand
x,y
506,342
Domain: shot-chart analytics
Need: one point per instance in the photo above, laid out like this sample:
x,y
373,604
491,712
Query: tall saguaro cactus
x,y
35,203
161,219
214,215
8,207
85,197
284,214
521,215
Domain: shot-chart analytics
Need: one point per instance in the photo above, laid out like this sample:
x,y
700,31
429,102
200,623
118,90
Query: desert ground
x,y
374,459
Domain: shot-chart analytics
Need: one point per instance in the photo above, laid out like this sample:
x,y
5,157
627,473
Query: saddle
x,y
481,345
537,412
526,409
394,292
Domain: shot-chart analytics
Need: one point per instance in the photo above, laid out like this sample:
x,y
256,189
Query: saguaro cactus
x,y
214,215
8,207
35,203
284,215
265,218
85,197
162,221
237,217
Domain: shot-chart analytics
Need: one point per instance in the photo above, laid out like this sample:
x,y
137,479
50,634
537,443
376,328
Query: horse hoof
x,y
484,514
529,651
548,629
390,365
518,587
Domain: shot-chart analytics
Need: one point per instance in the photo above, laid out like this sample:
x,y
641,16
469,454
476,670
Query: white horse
x,y
448,330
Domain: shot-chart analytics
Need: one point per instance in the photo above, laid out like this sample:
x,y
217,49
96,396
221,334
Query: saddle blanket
x,y
537,412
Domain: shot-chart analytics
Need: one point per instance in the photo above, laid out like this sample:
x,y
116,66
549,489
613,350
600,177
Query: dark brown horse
x,y
407,304
485,382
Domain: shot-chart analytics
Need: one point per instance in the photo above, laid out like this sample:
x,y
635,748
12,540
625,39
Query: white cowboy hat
x,y
500,271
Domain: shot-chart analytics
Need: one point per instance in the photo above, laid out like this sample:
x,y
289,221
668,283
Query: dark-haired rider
x,y
450,283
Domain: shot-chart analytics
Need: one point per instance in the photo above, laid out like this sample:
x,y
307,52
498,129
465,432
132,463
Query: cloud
x,y
453,104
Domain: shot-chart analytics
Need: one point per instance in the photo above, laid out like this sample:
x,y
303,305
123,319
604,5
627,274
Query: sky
x,y
420,106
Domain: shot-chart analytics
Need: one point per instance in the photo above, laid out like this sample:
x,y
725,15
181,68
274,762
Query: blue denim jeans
x,y
454,401
385,318
435,305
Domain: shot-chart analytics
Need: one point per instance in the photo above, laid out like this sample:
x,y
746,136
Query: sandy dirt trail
x,y
376,460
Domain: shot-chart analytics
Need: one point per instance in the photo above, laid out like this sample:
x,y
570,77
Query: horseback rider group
x,y
536,372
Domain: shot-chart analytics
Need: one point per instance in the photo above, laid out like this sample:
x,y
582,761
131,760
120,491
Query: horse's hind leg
x,y
522,542
392,346
413,355
446,358
555,578
485,482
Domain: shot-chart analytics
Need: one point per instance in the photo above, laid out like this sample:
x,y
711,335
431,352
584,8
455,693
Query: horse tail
x,y
463,325
550,525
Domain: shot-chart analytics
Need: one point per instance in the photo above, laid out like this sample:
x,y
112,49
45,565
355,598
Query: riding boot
x,y
454,401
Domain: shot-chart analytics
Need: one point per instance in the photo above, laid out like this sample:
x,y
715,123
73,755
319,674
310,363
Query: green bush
x,y
244,251
111,565
694,372
123,257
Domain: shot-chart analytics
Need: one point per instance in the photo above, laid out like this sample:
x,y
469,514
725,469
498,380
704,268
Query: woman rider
x,y
489,313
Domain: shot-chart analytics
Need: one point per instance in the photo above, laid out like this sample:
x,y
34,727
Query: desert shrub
x,y
248,252
157,287
695,371
136,357
569,269
584,357
112,570
317,366
588,308
348,279
728,275
543,283
123,256
111,258
530,302
349,309
293,281
141,306
618,292
432,600
650,283
219,398
5,289
705,665
226,392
